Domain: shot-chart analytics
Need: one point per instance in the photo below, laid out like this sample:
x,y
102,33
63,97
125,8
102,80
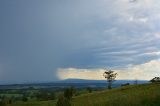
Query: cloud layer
x,y
116,33
144,71
38,37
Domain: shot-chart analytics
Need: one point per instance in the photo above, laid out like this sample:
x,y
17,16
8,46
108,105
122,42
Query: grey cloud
x,y
38,37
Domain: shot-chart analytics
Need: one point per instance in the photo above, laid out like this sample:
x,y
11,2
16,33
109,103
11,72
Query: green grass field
x,y
133,95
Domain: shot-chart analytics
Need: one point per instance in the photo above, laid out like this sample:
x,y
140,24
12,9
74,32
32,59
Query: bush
x,y
4,101
52,96
89,89
24,99
62,101
69,92
42,95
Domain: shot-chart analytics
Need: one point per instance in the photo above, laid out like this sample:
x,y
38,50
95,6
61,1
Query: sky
x,y
49,40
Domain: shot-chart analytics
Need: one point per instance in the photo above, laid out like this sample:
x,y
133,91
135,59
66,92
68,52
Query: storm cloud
x,y
37,38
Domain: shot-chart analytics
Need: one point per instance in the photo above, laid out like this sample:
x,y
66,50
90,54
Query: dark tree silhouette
x,y
110,76
24,99
155,79
69,92
89,89
4,101
62,101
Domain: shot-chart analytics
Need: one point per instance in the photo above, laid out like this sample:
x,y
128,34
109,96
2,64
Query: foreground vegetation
x,y
132,95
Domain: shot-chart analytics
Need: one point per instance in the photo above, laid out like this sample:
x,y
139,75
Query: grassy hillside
x,y
133,95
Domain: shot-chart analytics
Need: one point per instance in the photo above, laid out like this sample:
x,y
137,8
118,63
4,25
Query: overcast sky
x,y
48,40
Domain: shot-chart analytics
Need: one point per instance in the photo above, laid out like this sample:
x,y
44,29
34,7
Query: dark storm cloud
x,y
38,37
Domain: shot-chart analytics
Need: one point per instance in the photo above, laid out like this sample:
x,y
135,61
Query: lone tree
x,y
110,76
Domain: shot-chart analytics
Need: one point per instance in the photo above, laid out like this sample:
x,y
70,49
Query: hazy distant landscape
x,y
46,94
135,95
78,83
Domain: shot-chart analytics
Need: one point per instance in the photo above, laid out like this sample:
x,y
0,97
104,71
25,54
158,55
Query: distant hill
x,y
100,81
78,83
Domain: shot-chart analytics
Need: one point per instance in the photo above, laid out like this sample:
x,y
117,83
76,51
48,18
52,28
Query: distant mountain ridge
x,y
79,83
99,81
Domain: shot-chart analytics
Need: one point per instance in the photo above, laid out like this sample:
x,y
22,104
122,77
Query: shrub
x,y
89,89
69,92
42,95
52,96
62,101
24,99
4,101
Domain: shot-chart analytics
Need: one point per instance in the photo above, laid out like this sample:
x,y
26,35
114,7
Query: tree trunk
x,y
109,85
